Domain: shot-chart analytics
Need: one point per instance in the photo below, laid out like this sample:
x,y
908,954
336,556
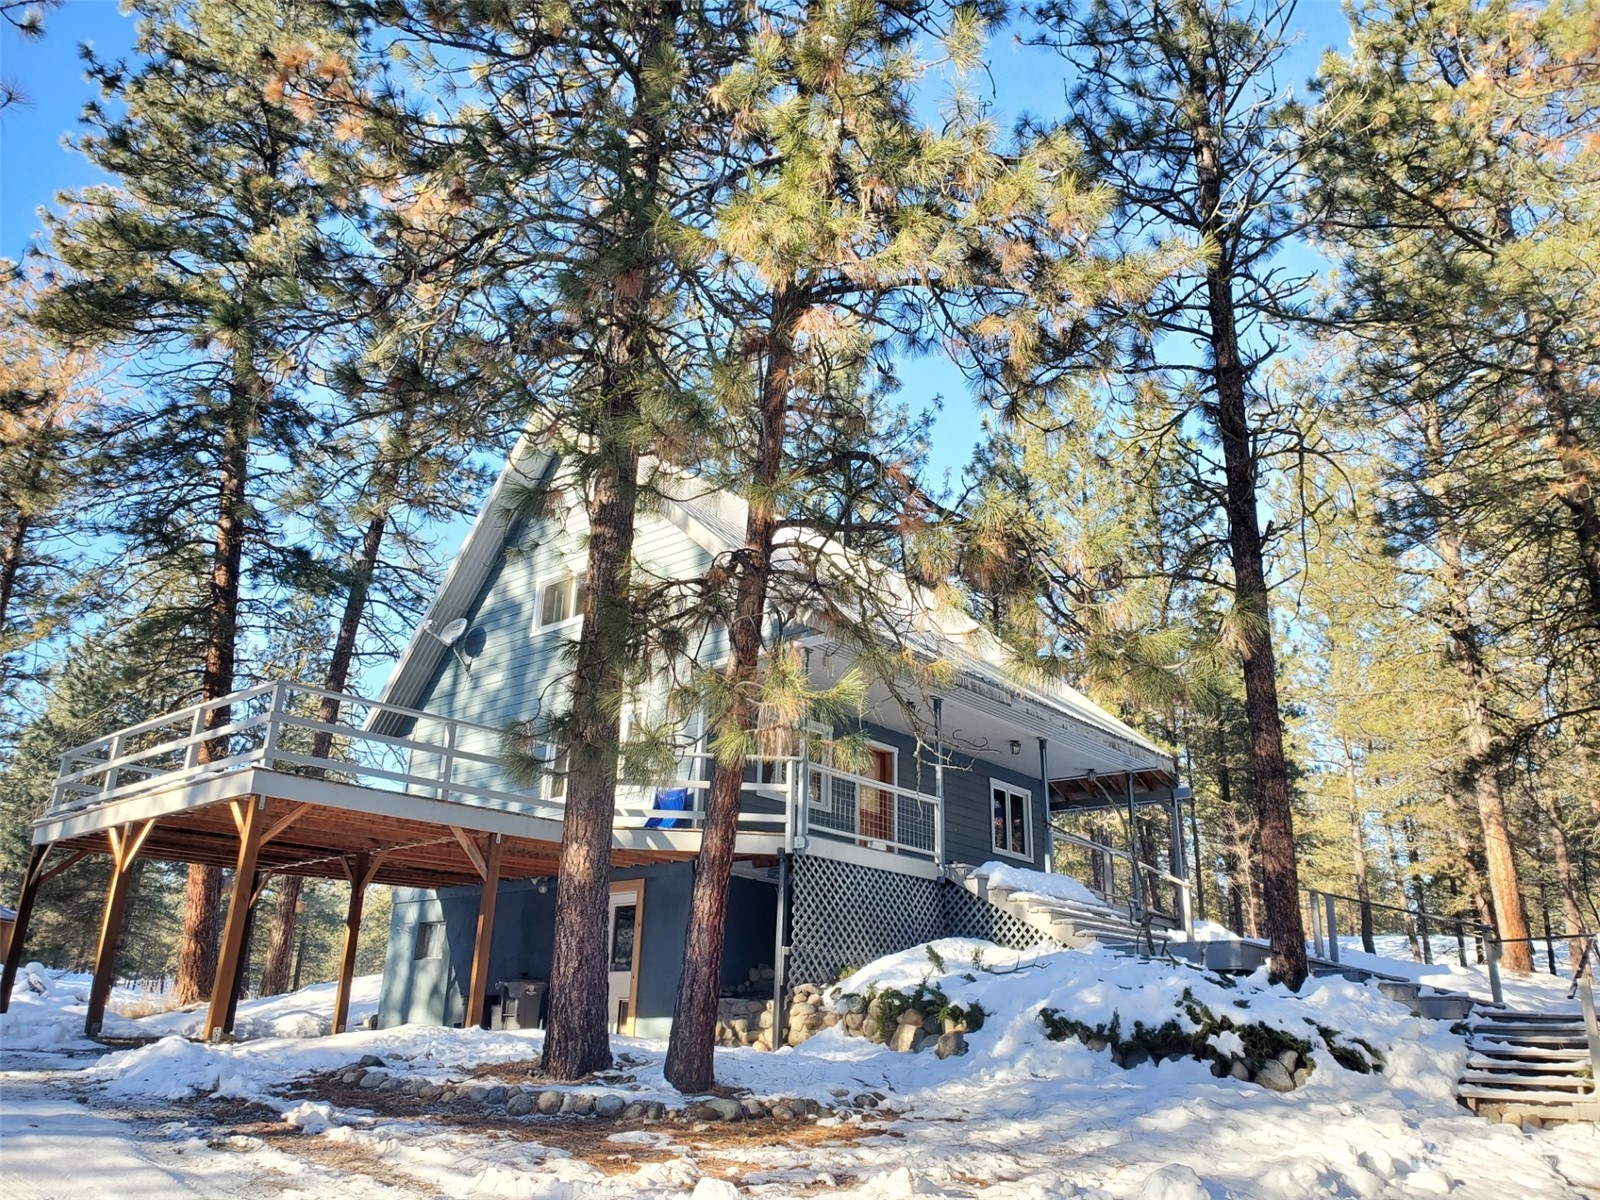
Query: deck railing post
x,y
1333,928
197,726
114,752
447,760
1491,946
1316,921
269,743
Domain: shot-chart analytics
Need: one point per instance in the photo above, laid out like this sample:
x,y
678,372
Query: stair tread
x,y
1484,1062
1561,1082
1475,1091
1509,1052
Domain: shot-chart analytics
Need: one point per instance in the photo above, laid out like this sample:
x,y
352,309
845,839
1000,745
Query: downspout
x,y
780,952
1137,903
1044,790
938,780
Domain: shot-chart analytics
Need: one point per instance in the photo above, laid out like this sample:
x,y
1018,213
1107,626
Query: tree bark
x,y
689,1065
1400,886
1482,746
1358,851
202,903
1566,877
1231,416
1577,490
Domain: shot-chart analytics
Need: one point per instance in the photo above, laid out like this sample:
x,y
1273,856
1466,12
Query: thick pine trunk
x,y
1274,817
202,902
16,540
689,1066
1577,463
280,942
577,1042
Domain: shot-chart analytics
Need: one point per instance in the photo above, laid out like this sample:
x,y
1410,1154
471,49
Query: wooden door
x,y
622,954
877,805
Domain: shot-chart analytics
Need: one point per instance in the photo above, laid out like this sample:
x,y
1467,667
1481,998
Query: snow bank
x,y
302,1014
1039,883
48,1009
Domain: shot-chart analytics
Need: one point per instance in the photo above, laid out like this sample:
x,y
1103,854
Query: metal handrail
x,y
1184,887
1328,912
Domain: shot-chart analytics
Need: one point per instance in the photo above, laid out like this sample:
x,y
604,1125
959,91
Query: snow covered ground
x,y
48,1007
1020,1117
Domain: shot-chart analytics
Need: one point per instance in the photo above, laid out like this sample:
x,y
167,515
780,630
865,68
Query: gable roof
x,y
715,519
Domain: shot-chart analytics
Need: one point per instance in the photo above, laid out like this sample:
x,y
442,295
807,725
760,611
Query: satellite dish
x,y
452,632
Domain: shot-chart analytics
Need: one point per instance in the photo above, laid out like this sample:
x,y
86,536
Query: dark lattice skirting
x,y
844,916
967,916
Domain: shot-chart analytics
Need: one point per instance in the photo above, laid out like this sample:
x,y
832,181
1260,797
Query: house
x,y
836,864
834,867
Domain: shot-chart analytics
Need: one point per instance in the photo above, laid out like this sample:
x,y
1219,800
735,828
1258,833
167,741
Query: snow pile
x,y
307,1013
48,1009
1039,884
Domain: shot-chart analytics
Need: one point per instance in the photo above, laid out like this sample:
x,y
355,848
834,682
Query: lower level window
x,y
1010,807
430,940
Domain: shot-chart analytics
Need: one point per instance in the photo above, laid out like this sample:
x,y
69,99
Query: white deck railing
x,y
878,815
279,727
276,726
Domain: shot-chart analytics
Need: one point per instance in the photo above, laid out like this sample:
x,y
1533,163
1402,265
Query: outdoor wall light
x,y
1016,746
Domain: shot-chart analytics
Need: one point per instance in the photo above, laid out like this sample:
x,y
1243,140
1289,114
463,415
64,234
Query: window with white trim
x,y
560,601
553,770
1012,819
430,940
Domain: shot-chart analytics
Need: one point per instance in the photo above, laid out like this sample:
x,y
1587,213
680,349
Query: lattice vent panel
x,y
846,915
967,916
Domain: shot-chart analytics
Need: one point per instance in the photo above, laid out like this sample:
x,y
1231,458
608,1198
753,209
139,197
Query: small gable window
x,y
560,601
1011,820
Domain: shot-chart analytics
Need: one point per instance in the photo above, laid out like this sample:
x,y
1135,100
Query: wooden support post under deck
x,y
231,961
241,982
19,930
125,845
357,869
485,935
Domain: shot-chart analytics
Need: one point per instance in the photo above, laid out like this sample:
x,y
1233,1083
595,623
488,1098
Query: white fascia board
x,y
443,814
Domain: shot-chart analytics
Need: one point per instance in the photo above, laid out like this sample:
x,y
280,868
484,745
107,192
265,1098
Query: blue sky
x,y
35,166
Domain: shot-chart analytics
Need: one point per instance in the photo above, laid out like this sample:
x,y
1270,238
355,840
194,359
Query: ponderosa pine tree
x,y
1180,111
205,257
571,197
47,458
863,227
